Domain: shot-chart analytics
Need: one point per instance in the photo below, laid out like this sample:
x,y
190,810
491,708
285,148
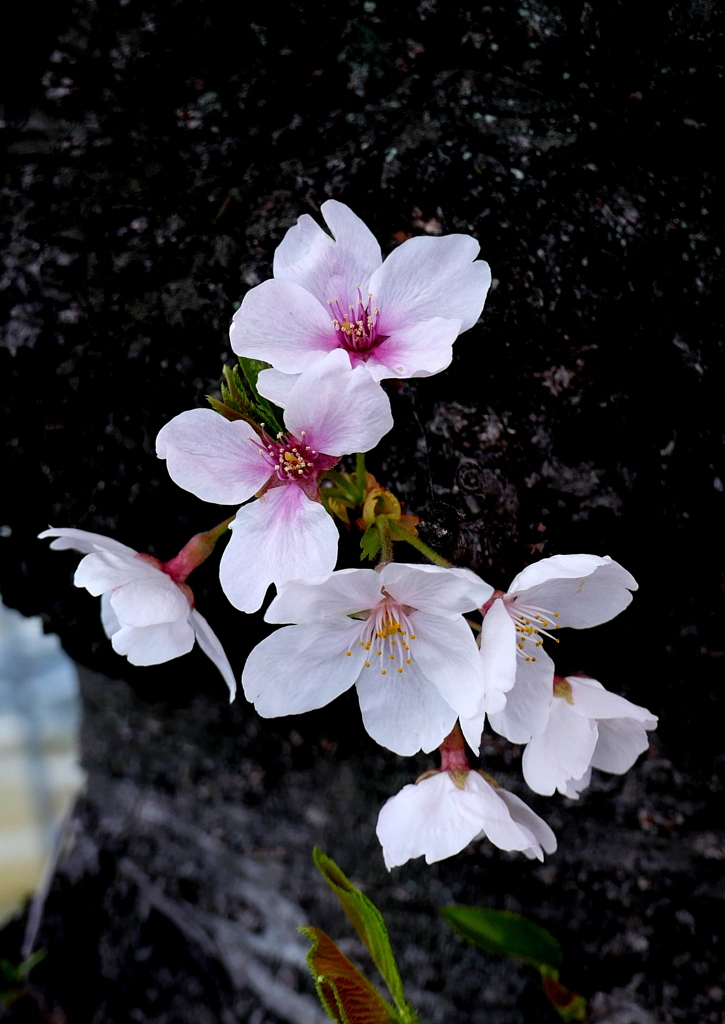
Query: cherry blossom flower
x,y
147,609
565,590
443,812
398,318
331,410
398,635
587,727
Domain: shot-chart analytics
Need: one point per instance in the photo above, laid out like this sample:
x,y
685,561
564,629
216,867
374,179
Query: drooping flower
x,y
565,590
332,410
443,812
397,634
588,727
398,318
147,609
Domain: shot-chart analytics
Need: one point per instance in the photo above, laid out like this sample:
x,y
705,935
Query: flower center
x,y
386,635
356,325
291,459
531,624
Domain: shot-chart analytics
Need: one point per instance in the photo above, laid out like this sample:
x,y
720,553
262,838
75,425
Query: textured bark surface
x,y
156,154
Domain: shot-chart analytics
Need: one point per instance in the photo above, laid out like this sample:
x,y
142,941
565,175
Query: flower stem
x,y
194,552
401,534
360,468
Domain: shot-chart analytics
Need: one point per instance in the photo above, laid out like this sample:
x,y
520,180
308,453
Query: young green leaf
x,y
268,414
368,922
569,1005
506,933
345,993
370,543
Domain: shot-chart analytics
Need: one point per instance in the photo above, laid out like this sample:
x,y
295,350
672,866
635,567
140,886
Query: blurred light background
x,y
39,769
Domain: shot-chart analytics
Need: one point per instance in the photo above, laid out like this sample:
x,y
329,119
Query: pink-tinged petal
x,y
423,820
561,752
446,653
283,324
300,668
211,646
472,726
621,741
419,350
337,594
83,541
573,788
431,277
481,804
340,410
147,602
106,570
524,816
593,701
435,589
216,459
151,645
109,619
585,590
283,535
326,268
527,704
403,712
498,651
276,386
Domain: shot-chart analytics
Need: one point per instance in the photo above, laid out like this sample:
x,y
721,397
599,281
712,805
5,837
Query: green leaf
x,y
368,922
568,1004
268,413
505,933
370,542
345,993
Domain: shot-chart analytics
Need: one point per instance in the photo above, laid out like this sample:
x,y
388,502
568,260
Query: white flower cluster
x,y
334,322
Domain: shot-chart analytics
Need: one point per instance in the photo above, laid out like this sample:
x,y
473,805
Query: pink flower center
x,y
386,635
295,460
532,624
357,325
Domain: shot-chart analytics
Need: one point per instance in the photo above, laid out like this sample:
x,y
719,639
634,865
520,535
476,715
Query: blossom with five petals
x,y
332,410
565,590
398,318
440,815
398,635
588,727
147,609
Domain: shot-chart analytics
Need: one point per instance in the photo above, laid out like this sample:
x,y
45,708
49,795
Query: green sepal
x,y
505,933
368,922
370,543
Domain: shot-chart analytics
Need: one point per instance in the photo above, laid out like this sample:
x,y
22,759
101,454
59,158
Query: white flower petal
x,y
524,816
149,601
527,704
621,741
300,668
431,277
435,589
561,752
106,570
276,386
573,788
418,350
423,819
593,701
216,459
340,593
482,804
326,268
283,535
341,410
403,712
585,590
211,646
283,324
83,541
498,652
109,619
446,653
151,645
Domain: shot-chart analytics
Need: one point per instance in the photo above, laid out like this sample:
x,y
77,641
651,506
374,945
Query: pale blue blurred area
x,y
39,770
